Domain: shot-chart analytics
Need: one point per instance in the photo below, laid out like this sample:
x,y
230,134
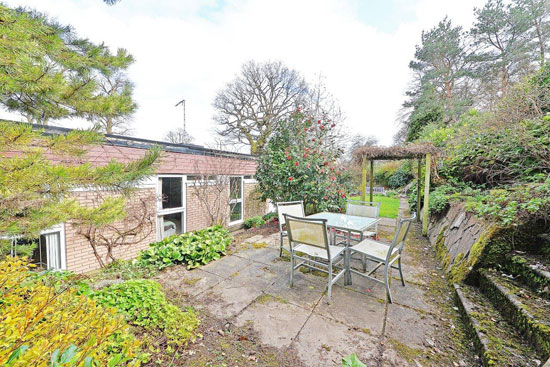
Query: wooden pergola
x,y
364,155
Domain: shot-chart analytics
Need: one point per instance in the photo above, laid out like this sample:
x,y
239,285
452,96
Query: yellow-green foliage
x,y
45,318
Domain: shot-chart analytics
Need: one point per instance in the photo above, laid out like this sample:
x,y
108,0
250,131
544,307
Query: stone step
x,y
522,307
496,340
532,270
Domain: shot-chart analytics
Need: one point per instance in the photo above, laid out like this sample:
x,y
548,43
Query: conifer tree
x,y
47,73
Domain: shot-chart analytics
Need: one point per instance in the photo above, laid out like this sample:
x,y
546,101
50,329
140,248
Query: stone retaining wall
x,y
459,238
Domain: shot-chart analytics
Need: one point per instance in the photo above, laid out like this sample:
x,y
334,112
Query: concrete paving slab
x,y
411,295
306,293
265,255
324,342
354,309
277,322
197,281
408,326
398,356
368,286
228,298
231,296
226,265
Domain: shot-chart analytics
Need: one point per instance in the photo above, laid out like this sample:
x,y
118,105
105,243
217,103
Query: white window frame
x,y
235,201
249,180
54,229
162,212
62,247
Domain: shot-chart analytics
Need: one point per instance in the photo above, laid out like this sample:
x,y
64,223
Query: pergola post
x,y
364,179
426,194
419,177
371,196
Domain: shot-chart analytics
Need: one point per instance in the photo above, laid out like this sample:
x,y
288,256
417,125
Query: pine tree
x,y
501,33
444,60
48,73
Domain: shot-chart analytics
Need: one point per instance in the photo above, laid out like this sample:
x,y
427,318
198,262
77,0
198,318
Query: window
x,y
49,248
171,192
236,199
171,208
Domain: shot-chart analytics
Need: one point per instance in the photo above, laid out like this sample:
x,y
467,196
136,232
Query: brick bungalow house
x,y
179,198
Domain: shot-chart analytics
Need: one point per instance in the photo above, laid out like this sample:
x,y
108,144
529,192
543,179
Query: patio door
x,y
235,199
171,191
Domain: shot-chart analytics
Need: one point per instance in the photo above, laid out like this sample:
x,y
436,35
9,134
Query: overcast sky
x,y
191,49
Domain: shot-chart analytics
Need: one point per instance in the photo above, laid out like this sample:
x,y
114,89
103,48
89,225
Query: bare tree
x,y
249,107
130,231
321,103
213,189
178,136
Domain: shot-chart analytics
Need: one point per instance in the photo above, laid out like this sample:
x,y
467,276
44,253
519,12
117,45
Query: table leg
x,y
348,260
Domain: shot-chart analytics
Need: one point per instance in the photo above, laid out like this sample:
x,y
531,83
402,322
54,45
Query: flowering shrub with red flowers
x,y
300,162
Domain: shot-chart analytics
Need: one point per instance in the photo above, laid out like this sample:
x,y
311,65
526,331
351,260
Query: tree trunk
x,y
109,125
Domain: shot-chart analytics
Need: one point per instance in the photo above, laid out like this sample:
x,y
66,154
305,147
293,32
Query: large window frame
x,y
236,201
163,212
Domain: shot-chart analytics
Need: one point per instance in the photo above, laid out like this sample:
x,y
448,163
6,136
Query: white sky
x,y
191,49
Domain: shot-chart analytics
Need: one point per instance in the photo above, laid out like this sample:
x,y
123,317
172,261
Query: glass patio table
x,y
349,224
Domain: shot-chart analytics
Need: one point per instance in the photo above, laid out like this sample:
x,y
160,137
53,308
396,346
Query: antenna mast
x,y
182,102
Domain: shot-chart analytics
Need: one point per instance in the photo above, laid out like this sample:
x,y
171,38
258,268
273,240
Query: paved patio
x,y
251,287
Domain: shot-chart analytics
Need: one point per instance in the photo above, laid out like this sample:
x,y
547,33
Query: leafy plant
x,y
254,222
300,162
144,304
440,198
513,206
127,269
192,248
269,216
352,361
400,178
37,318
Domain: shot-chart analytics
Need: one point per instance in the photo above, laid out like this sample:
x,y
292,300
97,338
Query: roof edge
x,y
141,143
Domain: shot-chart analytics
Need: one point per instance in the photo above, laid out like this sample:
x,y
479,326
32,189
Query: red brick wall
x,y
80,257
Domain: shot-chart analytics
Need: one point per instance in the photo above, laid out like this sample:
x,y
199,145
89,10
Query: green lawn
x,y
389,206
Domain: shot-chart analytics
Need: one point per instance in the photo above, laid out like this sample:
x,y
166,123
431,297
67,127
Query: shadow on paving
x,y
251,317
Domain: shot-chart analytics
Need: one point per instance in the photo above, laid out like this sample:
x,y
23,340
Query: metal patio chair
x,y
295,208
310,238
384,254
369,209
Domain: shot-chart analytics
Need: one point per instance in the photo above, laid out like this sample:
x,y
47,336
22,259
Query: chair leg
x,y
329,291
386,281
401,272
291,269
364,261
281,245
